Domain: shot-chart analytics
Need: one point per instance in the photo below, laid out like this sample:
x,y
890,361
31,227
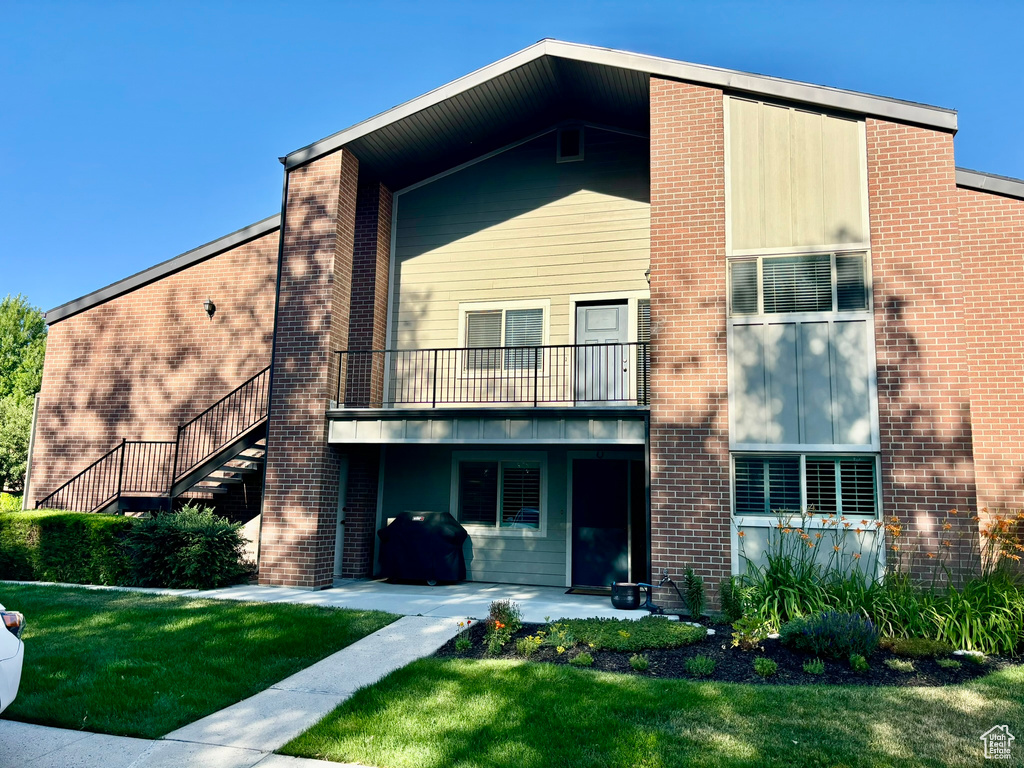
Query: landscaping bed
x,y
730,664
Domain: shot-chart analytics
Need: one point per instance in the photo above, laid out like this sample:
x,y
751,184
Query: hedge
x,y
71,547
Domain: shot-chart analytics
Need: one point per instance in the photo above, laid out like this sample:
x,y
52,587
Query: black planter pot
x,y
626,595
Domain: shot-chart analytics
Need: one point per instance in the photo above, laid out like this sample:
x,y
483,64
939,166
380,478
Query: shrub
x,y
952,664
700,666
463,644
192,548
765,667
582,660
814,667
832,635
730,592
915,647
859,664
72,547
639,662
693,589
9,503
508,613
627,635
529,645
900,665
560,635
749,632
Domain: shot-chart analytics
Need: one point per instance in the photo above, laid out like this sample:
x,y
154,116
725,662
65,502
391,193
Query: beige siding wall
x,y
520,226
796,178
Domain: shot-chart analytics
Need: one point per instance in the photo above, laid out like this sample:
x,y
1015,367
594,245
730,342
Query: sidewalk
x,y
244,734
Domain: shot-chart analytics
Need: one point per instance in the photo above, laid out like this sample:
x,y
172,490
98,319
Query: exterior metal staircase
x,y
210,453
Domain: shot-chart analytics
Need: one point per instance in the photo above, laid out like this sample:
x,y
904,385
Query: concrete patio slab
x,y
34,741
275,716
97,750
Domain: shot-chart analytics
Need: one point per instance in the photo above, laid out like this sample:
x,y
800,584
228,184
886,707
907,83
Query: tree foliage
x,y
22,347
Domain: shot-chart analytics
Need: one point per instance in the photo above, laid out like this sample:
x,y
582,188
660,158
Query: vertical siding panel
x,y
778,186
808,184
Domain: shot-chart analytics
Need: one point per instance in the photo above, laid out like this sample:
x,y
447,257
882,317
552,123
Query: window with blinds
x,y
487,331
523,328
483,337
844,485
500,493
788,284
478,492
767,485
520,495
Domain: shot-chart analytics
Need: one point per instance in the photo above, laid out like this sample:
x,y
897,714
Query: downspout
x,y
273,351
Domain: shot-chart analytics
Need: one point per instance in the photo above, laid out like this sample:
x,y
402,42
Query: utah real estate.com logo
x,y
997,742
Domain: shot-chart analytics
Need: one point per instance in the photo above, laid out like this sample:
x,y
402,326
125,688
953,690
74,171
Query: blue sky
x,y
131,132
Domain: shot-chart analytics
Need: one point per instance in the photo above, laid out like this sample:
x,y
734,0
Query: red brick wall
x,y
301,496
360,512
992,249
920,336
368,318
137,366
690,510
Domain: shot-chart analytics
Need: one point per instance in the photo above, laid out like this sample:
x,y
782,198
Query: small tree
x,y
22,347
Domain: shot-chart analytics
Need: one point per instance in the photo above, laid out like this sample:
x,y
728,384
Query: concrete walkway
x,y
453,601
245,733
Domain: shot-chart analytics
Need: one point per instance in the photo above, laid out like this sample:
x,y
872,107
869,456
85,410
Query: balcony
x,y
555,376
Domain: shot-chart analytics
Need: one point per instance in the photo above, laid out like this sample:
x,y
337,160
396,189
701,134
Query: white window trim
x,y
464,371
496,530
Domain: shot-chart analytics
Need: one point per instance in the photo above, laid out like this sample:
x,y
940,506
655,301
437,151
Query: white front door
x,y
602,359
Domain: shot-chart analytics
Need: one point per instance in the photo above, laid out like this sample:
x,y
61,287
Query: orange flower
x,y
895,548
741,534
810,544
931,555
946,544
817,535
954,512
836,548
856,555
947,527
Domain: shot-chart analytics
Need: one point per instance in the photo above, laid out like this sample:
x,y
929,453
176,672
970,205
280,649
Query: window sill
x,y
486,531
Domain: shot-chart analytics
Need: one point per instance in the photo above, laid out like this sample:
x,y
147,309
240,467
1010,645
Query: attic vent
x,y
570,145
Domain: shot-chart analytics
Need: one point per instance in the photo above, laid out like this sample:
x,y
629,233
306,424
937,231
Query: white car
x,y
12,652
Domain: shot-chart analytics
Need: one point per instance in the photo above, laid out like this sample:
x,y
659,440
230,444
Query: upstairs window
x,y
790,284
488,331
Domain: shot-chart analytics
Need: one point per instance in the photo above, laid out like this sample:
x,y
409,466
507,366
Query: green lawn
x,y
458,713
142,665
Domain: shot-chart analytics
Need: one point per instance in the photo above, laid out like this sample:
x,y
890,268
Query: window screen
x,y
767,485
800,284
478,492
483,337
857,484
520,495
744,287
523,328
851,282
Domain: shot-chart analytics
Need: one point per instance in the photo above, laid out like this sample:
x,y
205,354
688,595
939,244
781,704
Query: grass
x,y
437,713
135,664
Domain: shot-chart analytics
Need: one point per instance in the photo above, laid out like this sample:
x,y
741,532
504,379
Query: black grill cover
x,y
423,546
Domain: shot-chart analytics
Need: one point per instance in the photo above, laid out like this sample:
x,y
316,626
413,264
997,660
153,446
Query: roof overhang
x,y
165,268
554,80
990,182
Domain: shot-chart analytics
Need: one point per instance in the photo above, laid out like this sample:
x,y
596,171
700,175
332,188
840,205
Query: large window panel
x,y
772,484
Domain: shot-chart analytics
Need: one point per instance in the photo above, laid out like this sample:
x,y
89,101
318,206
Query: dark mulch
x,y
737,666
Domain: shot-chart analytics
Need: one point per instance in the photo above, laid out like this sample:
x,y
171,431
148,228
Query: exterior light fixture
x,y
210,307
647,274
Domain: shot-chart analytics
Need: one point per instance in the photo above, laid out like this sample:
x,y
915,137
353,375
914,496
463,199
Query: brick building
x,y
610,311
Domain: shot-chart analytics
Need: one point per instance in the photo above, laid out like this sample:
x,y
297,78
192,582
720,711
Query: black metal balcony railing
x,y
553,375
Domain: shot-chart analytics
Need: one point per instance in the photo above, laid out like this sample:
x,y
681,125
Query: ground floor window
x,y
500,492
773,484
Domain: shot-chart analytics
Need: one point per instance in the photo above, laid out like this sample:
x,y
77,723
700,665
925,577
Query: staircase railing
x,y
133,466
222,423
150,467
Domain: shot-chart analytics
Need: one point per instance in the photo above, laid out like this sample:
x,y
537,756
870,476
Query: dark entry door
x,y
600,520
